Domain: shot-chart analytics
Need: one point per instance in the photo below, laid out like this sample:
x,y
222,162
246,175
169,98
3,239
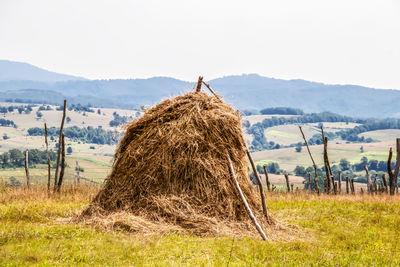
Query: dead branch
x,y
48,159
59,146
312,159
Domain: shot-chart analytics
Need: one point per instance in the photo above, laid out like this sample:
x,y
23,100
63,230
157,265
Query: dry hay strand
x,y
171,168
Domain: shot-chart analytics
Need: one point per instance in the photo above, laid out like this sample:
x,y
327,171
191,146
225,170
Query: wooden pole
x,y
397,166
327,165
211,90
374,186
312,159
390,172
309,182
62,164
48,159
199,82
287,182
385,185
347,185
78,178
251,215
340,181
368,179
59,146
353,191
27,168
266,178
260,187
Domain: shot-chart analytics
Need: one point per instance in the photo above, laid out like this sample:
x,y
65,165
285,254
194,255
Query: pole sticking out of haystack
x,y
199,82
27,168
313,162
48,158
260,187
211,90
252,217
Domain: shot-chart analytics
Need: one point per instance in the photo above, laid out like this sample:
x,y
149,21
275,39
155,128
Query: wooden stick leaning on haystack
x,y
252,217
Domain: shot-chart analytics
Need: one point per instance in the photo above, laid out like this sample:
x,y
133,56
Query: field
x,y
356,230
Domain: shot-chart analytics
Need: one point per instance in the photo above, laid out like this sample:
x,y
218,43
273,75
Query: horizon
x,y
194,81
334,42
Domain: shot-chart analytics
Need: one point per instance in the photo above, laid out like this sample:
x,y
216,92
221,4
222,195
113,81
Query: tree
x,y
299,147
39,114
99,111
344,165
300,171
68,119
69,150
361,149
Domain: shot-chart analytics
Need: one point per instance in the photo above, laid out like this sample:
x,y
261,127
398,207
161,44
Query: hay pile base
x,y
170,168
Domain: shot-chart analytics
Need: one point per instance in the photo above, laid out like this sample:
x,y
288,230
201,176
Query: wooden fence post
x,y
368,179
347,185
353,190
309,182
48,159
287,182
251,215
385,185
78,178
260,187
27,168
60,180
266,178
340,181
328,170
59,146
312,159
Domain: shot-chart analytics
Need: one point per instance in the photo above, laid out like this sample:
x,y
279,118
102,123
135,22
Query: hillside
x,y
245,92
12,71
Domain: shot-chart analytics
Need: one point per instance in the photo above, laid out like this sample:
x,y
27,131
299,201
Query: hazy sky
x,y
337,41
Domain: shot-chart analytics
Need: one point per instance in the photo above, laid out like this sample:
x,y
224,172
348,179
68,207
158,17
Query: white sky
x,y
350,41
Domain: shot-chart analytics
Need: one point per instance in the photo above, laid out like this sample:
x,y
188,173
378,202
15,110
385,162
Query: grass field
x,y
356,230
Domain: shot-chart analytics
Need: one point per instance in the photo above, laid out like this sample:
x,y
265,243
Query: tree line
x,y
88,134
15,158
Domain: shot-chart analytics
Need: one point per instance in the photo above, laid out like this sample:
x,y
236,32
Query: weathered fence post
x,y
368,179
251,215
353,189
385,185
312,159
266,178
48,159
60,180
27,168
59,146
375,185
309,182
347,185
393,176
327,164
78,178
287,182
340,181
260,187
291,187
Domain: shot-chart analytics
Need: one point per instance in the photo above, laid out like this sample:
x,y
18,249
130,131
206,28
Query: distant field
x,y
53,117
288,158
382,135
259,118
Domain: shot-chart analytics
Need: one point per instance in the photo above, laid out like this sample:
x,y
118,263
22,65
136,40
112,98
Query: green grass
x,y
98,162
282,134
357,231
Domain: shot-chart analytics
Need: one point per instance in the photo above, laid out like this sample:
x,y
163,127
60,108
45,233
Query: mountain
x,y
247,91
11,70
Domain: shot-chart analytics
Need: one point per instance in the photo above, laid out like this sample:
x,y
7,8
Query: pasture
x,y
327,230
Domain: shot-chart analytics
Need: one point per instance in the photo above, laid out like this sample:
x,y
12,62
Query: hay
x,y
171,168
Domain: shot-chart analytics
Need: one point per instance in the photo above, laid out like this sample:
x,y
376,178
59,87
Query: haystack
x,y
171,168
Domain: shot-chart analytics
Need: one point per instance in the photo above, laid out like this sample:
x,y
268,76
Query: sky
x,y
337,42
